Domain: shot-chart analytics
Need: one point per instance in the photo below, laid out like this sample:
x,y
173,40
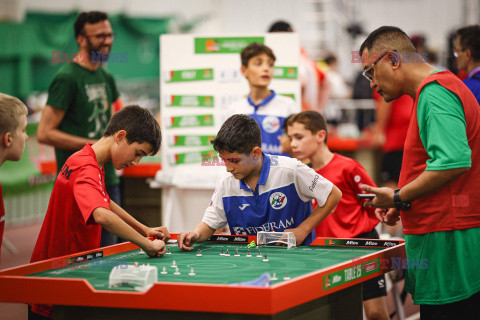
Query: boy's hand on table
x,y
159,233
156,248
186,240
300,235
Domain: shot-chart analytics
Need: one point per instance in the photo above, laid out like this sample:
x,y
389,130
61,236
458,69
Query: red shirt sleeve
x,y
359,177
90,193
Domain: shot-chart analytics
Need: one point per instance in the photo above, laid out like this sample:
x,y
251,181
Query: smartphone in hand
x,y
368,196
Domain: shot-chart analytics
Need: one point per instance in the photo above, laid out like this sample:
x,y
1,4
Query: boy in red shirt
x,y
13,125
79,205
307,131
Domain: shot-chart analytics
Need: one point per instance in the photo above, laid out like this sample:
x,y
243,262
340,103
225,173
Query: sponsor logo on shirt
x,y
271,148
66,172
314,182
271,124
239,230
277,226
243,206
278,200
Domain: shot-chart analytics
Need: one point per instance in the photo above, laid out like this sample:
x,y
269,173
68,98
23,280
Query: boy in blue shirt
x,y
260,192
262,104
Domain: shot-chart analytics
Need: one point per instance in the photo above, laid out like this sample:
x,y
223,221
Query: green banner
x,y
189,75
224,45
190,101
340,277
291,95
190,157
205,120
285,73
190,141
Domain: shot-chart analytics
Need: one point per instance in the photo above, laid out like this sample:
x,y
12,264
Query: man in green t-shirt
x,y
438,198
81,99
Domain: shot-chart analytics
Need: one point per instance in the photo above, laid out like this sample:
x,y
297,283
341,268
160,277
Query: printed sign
x,y
188,75
190,121
190,141
189,101
224,44
340,277
285,73
190,157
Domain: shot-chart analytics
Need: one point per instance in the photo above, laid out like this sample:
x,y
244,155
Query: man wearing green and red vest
x,y
438,198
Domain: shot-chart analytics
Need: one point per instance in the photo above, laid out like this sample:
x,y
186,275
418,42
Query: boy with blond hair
x,y
13,126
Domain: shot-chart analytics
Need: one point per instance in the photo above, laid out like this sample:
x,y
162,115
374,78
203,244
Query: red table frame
x,y
17,287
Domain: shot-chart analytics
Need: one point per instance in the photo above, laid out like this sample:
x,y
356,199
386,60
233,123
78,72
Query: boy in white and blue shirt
x,y
267,107
261,192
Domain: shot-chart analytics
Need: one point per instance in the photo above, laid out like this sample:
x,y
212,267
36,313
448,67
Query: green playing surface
x,y
211,267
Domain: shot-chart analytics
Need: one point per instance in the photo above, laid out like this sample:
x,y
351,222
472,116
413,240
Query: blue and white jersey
x,y
281,200
270,115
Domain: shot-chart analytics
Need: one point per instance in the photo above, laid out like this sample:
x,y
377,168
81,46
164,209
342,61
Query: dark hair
x,y
239,133
388,38
469,38
312,120
253,50
285,123
87,17
280,26
139,124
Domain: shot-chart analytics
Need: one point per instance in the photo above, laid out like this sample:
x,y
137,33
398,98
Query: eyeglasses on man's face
x,y
101,36
368,72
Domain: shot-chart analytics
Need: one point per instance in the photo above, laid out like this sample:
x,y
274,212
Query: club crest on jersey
x,y
278,200
271,124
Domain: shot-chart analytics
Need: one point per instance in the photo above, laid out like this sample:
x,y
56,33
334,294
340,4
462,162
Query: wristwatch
x,y
399,204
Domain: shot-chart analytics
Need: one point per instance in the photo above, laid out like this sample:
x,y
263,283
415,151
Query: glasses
x,y
368,73
102,36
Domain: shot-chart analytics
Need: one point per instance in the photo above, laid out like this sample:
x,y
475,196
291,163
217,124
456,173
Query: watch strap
x,y
399,204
